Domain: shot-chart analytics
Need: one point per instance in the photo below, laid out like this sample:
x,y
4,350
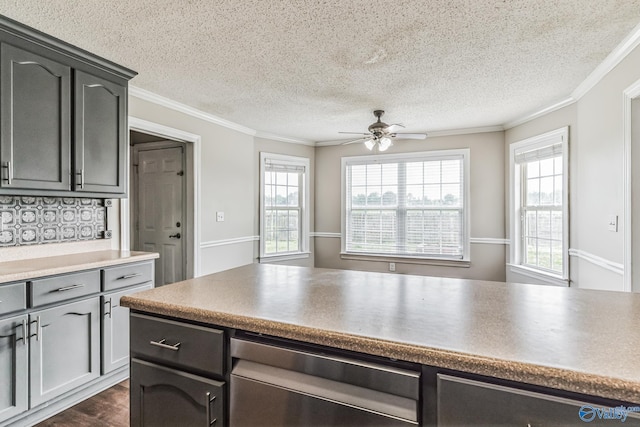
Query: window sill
x,y
543,276
443,262
284,257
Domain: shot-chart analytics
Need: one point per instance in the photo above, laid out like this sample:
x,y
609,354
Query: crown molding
x,y
146,95
539,113
464,131
614,58
273,137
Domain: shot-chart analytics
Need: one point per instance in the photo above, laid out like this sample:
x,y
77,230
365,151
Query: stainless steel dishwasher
x,y
278,385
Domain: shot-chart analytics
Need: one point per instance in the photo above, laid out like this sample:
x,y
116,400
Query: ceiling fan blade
x,y
356,133
393,126
410,135
354,141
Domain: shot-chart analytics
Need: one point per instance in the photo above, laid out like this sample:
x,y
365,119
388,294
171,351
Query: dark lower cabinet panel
x,y
464,402
162,396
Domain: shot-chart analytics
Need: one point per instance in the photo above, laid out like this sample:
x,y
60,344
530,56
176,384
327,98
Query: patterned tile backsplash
x,y
37,220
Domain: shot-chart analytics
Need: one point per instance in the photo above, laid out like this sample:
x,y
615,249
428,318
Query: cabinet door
x,y
115,329
163,396
468,402
13,367
100,135
35,121
65,348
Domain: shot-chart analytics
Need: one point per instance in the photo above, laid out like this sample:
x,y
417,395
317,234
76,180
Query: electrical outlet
x,y
219,216
392,266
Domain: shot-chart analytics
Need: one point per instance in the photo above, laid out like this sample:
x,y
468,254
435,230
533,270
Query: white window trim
x,y
466,223
304,234
515,264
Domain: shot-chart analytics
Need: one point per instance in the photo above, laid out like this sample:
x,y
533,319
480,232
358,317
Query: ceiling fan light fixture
x,y
369,143
385,143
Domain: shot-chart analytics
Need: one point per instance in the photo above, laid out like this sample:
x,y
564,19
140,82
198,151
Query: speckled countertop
x,y
13,271
565,338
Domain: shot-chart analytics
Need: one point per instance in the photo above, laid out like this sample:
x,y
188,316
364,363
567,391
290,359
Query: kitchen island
x,y
561,340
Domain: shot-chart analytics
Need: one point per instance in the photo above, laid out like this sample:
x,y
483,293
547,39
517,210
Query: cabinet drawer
x,y
192,348
60,288
13,297
467,402
126,275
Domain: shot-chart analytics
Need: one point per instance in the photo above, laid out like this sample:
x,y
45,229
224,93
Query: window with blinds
x,y
283,208
411,205
542,207
539,211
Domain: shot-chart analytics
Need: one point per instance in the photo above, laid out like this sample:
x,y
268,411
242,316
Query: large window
x,y
284,219
410,205
539,204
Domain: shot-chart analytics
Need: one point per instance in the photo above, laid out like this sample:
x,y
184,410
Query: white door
x,y
160,202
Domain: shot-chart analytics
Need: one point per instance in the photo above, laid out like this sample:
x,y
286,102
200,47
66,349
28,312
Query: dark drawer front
x,y
126,275
60,288
467,402
189,347
13,297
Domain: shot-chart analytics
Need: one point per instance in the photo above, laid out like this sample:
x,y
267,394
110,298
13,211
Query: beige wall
x,y
486,210
277,147
227,184
596,173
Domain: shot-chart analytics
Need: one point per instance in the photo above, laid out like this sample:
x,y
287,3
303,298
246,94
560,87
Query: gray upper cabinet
x,y
34,121
100,134
63,117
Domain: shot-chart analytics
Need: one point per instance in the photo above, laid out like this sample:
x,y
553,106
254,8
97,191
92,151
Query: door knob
x,y
174,236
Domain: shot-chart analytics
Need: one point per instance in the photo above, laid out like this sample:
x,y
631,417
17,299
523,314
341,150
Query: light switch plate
x,y
219,216
613,223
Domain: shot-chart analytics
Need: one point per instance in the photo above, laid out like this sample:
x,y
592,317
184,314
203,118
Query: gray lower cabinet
x,y
115,328
14,367
464,402
162,396
64,348
35,121
100,134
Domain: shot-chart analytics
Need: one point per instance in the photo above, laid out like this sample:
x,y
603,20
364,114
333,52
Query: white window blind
x,y
409,206
542,207
283,206
539,207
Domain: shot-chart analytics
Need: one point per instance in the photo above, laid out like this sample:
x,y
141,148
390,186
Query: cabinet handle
x,y
129,276
9,169
24,332
110,308
81,175
37,334
162,344
68,288
210,399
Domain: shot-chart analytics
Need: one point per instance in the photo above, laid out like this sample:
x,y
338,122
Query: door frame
x,y
192,157
629,94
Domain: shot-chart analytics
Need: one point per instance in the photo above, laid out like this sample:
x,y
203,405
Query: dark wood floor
x,y
109,408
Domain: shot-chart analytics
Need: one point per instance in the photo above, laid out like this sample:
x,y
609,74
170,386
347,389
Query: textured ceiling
x,y
308,69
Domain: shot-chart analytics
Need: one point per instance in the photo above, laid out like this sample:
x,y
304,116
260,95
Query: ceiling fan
x,y
381,134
